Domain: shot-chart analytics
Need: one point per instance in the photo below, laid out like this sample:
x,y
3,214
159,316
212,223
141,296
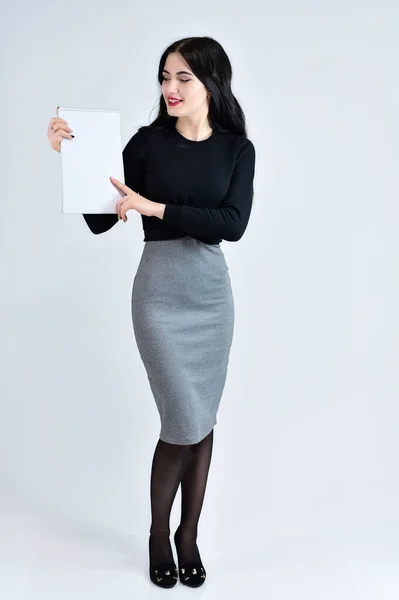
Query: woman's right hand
x,y
58,129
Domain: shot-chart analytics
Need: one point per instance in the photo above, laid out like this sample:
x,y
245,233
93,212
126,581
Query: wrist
x,y
159,210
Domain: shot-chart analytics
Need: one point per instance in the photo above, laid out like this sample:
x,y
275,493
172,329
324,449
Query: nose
x,y
169,89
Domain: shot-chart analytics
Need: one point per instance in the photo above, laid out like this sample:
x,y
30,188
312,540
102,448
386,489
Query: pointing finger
x,y
120,185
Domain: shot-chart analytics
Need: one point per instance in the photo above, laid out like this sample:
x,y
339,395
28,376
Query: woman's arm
x,y
133,157
229,220
100,223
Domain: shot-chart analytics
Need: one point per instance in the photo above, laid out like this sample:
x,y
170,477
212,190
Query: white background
x,y
306,442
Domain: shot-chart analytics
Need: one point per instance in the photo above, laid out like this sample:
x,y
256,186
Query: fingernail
x,y
72,135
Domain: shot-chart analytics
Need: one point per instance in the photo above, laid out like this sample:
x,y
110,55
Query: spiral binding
x,y
114,110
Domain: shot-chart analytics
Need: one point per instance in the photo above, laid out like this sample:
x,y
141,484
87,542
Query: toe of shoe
x,y
164,577
192,575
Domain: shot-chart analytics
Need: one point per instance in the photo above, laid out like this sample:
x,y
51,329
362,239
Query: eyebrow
x,y
178,72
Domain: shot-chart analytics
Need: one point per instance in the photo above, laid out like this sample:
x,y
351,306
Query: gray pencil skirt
x,y
183,321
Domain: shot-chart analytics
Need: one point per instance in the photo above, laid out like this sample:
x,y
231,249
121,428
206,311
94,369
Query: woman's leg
x,y
193,487
166,473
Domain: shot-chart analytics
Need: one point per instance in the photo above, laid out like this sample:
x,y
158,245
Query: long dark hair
x,y
211,65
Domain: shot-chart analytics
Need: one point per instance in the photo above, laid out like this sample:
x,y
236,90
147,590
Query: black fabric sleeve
x,y
133,157
230,219
100,223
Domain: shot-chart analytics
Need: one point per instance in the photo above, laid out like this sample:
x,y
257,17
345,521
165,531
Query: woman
x,y
190,176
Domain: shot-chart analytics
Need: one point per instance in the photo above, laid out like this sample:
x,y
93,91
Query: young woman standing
x,y
190,176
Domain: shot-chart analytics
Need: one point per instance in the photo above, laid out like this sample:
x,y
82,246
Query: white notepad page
x,y
90,159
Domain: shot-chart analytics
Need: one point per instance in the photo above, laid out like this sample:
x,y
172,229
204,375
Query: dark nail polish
x,y
72,135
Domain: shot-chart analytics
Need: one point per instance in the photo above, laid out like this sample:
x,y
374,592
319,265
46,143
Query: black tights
x,y
174,464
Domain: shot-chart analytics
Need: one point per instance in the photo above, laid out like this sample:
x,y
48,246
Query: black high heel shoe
x,y
192,574
164,574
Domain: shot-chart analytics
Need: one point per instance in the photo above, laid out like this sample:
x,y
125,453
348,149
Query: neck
x,y
194,130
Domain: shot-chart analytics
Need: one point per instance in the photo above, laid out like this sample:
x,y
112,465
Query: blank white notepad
x,y
90,159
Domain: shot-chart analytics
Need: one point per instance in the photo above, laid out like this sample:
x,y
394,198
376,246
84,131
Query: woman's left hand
x,y
132,200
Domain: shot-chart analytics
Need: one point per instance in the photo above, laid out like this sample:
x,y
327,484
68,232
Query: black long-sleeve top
x,y
207,186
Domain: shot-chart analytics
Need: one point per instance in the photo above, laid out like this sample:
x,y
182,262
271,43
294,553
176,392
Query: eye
x,y
182,80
